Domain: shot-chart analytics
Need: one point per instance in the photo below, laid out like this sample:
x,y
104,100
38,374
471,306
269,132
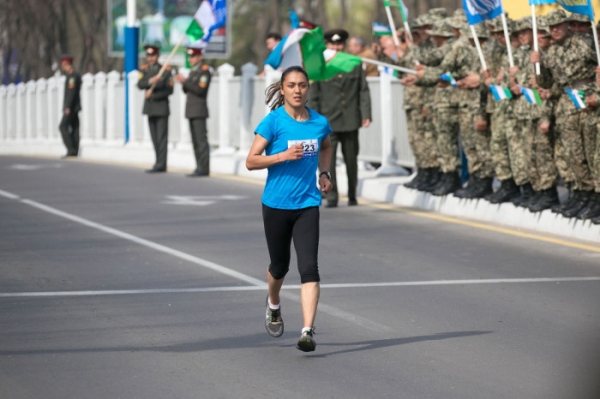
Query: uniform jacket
x,y
196,89
158,103
72,98
344,100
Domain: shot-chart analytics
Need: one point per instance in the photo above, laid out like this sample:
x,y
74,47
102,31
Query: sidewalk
x,y
378,189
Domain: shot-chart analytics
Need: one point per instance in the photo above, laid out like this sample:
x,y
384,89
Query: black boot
x,y
596,220
584,198
526,193
559,208
416,180
546,200
450,182
462,192
592,209
508,190
481,189
434,177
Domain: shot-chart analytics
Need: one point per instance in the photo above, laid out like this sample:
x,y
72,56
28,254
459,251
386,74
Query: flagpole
x,y
168,60
595,32
536,46
478,46
388,12
391,66
405,21
511,61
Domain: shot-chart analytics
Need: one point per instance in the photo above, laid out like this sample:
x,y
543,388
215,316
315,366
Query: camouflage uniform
x,y
571,64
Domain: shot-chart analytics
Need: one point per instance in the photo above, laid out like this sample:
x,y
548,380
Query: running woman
x,y
295,141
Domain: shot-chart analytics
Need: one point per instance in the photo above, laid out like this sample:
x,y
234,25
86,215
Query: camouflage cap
x,y
457,21
459,13
441,28
575,17
543,26
556,17
496,26
522,24
437,14
480,31
422,21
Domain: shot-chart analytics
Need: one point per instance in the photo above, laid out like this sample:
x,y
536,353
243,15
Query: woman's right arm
x,y
256,160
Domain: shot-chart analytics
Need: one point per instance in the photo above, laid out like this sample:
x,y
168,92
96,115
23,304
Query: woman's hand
x,y
293,153
325,184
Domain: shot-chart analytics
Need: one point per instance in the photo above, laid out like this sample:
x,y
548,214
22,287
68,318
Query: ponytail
x,y
274,97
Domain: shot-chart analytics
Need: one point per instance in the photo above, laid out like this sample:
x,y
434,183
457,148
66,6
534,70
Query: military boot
x,y
434,178
546,200
481,189
508,190
592,209
526,193
462,192
416,180
596,220
558,208
584,198
450,182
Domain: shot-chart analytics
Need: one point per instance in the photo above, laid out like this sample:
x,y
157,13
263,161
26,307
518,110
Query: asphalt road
x,y
119,284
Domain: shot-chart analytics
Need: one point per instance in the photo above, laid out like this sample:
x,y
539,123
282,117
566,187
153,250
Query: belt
x,y
580,83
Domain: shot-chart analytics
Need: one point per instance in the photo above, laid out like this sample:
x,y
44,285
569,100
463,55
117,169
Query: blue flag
x,y
580,6
480,10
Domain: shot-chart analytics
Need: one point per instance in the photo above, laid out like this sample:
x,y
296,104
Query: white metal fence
x,y
31,112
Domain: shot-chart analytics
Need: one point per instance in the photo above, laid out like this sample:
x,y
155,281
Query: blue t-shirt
x,y
293,184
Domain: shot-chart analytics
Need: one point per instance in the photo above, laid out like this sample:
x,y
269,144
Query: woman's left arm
x,y
324,165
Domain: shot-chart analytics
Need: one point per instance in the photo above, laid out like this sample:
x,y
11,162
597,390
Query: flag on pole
x,y
480,10
301,47
211,16
447,77
532,96
338,62
577,96
584,7
500,93
403,10
381,29
541,2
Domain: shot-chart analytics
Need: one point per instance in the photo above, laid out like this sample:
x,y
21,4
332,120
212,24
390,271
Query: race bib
x,y
310,147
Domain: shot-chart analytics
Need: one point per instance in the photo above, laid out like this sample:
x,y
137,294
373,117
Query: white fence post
x,y
21,114
99,105
40,110
11,112
111,106
55,111
87,107
388,167
246,104
30,110
3,112
185,139
225,75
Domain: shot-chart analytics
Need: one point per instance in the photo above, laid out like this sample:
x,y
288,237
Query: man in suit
x,y
69,124
345,101
156,105
196,89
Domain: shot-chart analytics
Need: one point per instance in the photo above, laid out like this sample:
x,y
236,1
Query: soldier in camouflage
x,y
570,64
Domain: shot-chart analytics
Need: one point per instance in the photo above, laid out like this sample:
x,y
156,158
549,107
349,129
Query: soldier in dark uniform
x,y
69,125
196,89
345,101
156,106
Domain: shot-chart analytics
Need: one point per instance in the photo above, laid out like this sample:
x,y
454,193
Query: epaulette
x,y
205,67
144,67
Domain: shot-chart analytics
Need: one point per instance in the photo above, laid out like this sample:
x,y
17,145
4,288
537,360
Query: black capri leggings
x,y
302,225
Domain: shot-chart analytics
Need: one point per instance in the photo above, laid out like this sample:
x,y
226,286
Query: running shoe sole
x,y
306,344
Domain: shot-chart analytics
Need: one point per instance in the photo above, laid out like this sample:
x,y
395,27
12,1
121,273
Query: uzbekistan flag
x,y
300,47
447,77
381,29
532,96
577,96
211,16
337,62
500,93
480,10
